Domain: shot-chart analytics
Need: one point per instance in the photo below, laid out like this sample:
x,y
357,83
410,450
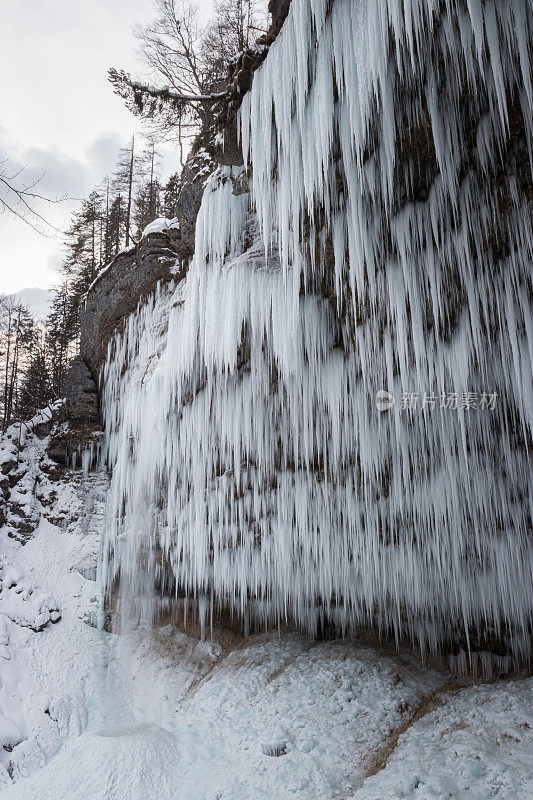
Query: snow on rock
x,y
159,225
20,603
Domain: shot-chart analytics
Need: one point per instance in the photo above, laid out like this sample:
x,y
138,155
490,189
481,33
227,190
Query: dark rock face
x,y
70,441
240,77
229,151
80,392
279,10
80,411
116,293
197,168
241,184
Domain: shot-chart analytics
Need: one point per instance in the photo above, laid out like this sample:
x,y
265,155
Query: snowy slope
x,y
44,600
479,745
285,718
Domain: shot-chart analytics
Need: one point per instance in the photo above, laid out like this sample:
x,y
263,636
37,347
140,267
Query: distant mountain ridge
x,y
36,300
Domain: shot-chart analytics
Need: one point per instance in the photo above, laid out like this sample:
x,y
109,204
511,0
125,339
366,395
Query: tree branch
x,y
24,194
121,79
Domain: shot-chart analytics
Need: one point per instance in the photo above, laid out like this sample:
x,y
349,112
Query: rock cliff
x,y
160,255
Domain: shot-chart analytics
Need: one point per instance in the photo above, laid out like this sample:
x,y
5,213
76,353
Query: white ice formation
x,y
388,247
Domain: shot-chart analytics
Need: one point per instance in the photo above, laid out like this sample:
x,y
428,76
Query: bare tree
x,y
17,337
22,199
190,59
231,31
124,180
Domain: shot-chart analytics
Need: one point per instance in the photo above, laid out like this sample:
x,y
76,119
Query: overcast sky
x,y
58,113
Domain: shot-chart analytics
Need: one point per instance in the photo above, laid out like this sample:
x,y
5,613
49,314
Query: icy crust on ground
x,y
271,718
45,601
478,745
250,463
285,717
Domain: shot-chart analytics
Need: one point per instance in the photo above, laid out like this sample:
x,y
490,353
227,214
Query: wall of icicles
x,y
331,416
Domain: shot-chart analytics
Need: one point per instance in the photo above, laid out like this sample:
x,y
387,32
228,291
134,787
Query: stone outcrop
x,y
132,275
81,398
163,255
75,425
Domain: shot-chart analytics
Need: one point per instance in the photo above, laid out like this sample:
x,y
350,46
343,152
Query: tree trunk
x,y
130,187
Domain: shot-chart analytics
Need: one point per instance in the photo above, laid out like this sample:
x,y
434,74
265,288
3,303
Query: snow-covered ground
x,y
48,593
92,715
477,745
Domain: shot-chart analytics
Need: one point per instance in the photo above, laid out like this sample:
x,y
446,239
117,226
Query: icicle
x,y
250,461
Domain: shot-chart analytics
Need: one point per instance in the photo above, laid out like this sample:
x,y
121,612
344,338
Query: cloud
x,y
102,154
59,174
28,258
54,173
62,119
59,114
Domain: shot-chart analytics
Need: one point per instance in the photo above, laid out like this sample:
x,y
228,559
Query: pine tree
x,y
171,193
147,205
62,330
36,387
124,182
148,198
17,338
116,227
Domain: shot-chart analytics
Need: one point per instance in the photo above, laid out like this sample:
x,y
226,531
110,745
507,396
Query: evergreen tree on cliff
x,y
171,193
116,228
124,182
62,330
148,198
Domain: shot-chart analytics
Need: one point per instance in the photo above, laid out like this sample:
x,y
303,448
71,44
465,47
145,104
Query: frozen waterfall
x,y
330,417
